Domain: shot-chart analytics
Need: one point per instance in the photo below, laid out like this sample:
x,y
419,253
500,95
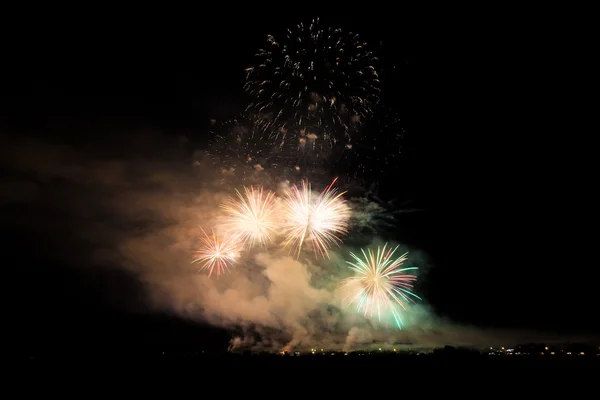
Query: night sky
x,y
482,166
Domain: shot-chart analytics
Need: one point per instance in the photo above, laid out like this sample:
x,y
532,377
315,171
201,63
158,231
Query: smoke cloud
x,y
139,205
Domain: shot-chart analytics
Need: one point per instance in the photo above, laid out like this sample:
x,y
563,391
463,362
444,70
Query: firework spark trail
x,y
380,284
252,217
377,150
319,221
241,145
216,253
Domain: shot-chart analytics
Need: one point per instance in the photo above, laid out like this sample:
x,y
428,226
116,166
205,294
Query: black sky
x,y
484,120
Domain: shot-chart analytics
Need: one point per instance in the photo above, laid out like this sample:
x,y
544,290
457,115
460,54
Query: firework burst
x,y
318,220
315,76
252,217
217,254
381,286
